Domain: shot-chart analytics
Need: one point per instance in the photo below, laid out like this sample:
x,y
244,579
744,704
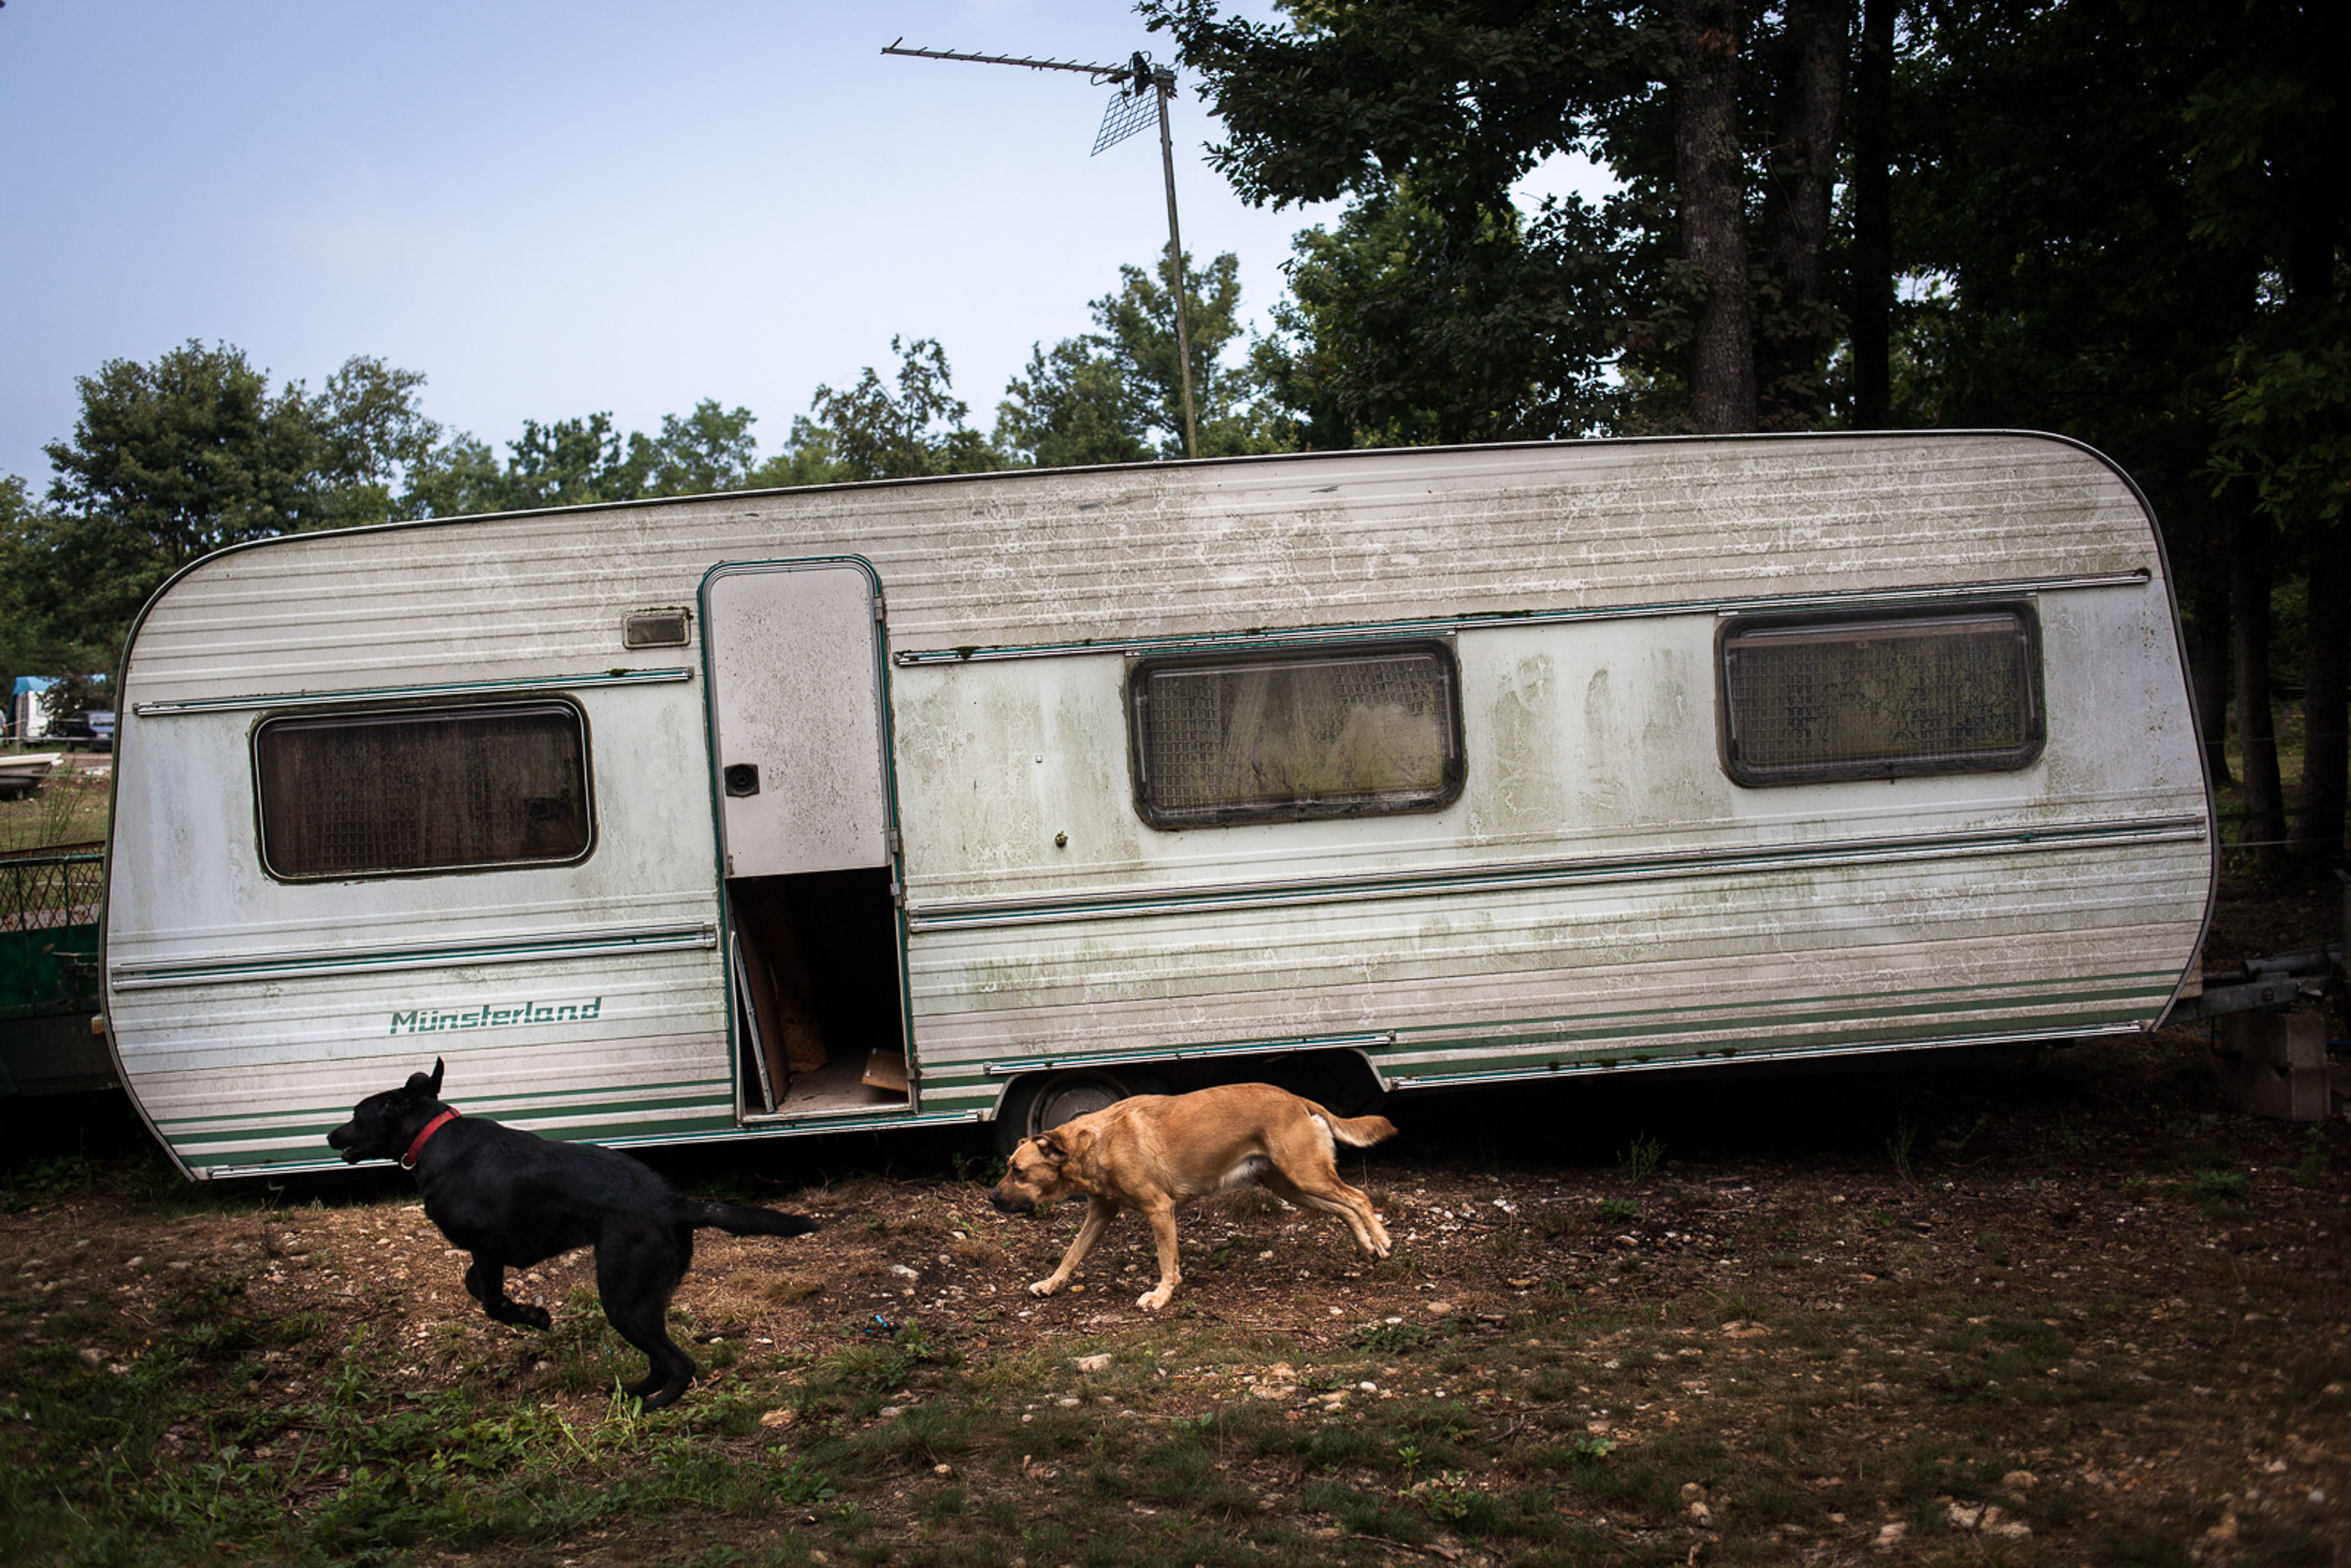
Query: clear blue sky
x,y
556,209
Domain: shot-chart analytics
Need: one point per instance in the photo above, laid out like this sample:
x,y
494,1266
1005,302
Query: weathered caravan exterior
x,y
988,797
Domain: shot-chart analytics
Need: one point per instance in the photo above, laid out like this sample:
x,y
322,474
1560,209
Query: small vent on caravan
x,y
656,628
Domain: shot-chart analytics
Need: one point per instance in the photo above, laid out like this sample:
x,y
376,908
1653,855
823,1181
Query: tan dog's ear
x,y
1050,1146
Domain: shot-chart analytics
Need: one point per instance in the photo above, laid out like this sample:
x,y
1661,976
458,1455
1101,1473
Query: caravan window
x,y
1881,694
444,789
1326,732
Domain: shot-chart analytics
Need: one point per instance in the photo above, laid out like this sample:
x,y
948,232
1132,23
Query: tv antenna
x,y
1142,87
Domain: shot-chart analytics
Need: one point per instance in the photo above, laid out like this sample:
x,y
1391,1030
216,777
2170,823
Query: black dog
x,y
512,1199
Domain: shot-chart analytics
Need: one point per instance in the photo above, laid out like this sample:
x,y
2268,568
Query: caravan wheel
x,y
1046,1100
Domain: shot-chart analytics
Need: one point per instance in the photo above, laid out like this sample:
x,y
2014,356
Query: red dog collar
x,y
408,1162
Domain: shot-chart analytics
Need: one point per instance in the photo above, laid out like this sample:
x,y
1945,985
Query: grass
x,y
70,806
1811,1349
1562,1433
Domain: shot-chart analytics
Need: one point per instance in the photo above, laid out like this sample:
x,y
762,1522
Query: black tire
x,y
1046,1100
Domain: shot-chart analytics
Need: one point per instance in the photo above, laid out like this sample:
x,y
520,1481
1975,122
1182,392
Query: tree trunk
x,y
2256,730
2208,664
2317,839
1711,179
1873,290
1801,176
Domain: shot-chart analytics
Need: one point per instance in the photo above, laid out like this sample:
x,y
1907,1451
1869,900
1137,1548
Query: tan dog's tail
x,y
1356,1132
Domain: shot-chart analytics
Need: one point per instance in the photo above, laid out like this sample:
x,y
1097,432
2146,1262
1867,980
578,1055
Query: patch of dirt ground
x,y
2052,1309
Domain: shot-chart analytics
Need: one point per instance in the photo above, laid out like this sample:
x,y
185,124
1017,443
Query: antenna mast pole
x,y
1164,84
1135,78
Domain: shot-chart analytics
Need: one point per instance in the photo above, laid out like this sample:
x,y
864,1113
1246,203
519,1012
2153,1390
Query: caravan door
x,y
800,757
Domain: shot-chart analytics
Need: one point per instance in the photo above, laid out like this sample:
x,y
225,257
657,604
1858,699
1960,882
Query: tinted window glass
x,y
422,790
1286,735
1882,695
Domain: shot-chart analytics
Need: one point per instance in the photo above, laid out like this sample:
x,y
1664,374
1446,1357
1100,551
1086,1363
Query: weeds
x,y
2218,1189
1616,1211
1641,1160
2316,1158
1395,1337
1898,1148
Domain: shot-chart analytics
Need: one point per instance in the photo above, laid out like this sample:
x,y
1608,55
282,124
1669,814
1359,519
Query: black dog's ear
x,y
436,1078
418,1084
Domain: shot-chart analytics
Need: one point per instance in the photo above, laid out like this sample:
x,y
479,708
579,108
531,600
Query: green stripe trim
x,y
1536,875
1356,631
188,1136
379,694
1829,1033
709,1119
2131,982
672,936
646,1097
1474,1071
1815,1023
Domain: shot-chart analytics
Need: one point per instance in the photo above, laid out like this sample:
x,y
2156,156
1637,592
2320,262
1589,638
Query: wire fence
x,y
43,889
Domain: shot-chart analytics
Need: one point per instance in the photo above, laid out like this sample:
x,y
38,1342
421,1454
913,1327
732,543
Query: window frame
x,y
423,708
1141,667
1778,776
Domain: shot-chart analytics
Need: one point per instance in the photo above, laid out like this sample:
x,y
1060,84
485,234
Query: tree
x,y
23,639
1077,405
587,460
174,459
874,433
2269,121
2141,216
457,477
190,452
1115,394
374,437
1690,101
1511,339
573,462
702,453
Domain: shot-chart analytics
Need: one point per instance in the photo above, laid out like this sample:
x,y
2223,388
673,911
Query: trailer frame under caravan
x,y
991,798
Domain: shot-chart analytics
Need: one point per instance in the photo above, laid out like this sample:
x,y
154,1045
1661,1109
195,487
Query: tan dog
x,y
1154,1152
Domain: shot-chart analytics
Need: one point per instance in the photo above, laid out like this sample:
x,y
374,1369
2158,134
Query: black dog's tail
x,y
737,1219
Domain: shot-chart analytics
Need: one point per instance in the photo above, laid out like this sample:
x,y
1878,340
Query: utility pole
x,y
1126,113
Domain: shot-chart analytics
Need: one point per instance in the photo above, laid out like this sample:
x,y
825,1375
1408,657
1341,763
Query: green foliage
x,y
1640,1158
589,461
170,460
1077,405
870,432
2316,1158
190,452
1434,313
2218,1188
1115,395
1400,333
1393,1339
570,462
1900,1147
797,1485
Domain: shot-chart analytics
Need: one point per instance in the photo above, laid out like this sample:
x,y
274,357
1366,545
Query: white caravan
x,y
992,798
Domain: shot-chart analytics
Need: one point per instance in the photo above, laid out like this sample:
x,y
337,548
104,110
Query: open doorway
x,y
799,752
818,1007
